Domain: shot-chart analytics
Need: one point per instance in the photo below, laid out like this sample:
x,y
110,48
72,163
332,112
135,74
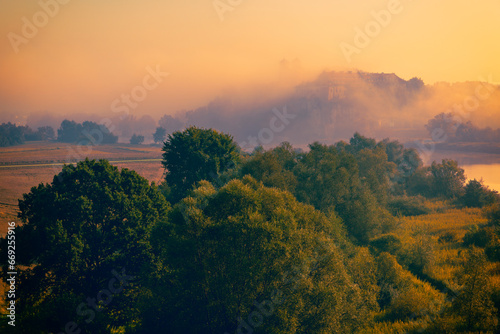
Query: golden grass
x,y
451,220
397,327
448,256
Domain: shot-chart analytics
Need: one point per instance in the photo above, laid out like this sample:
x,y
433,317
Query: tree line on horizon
x,y
85,133
277,241
11,134
442,128
451,128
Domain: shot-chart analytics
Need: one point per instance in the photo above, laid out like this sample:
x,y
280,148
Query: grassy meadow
x,y
25,166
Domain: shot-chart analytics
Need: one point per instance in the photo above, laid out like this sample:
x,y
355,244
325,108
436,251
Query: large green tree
x,y
246,258
407,162
84,245
196,154
330,179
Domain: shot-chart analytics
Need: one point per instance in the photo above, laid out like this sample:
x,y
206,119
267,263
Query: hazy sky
x,y
92,51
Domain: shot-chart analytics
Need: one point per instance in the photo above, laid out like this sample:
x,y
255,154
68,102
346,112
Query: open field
x,y
25,166
52,152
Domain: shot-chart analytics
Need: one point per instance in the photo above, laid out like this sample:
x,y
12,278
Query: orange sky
x,y
91,52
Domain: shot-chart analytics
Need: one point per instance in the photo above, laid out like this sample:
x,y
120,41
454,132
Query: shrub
x,y
492,251
402,295
408,206
478,237
418,254
389,243
136,139
449,237
415,301
477,195
493,215
474,303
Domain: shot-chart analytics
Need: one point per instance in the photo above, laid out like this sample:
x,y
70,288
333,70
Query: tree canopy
x,y
196,154
92,221
159,135
250,258
278,241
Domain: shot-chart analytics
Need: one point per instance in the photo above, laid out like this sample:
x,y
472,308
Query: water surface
x,y
489,173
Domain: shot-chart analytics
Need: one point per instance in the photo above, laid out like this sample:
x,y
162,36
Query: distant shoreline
x,y
463,153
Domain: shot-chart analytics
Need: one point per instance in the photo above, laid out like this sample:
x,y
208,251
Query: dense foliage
x,y
247,257
343,238
196,154
90,223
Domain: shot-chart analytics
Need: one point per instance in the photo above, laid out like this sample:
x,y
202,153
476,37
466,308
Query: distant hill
x,y
337,104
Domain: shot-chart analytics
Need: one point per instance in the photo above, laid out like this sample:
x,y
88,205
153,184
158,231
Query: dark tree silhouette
x,y
136,139
159,135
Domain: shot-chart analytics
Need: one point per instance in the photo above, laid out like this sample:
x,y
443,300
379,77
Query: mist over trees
x,y
11,134
170,124
42,133
329,108
159,135
69,132
449,127
337,104
127,125
85,133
